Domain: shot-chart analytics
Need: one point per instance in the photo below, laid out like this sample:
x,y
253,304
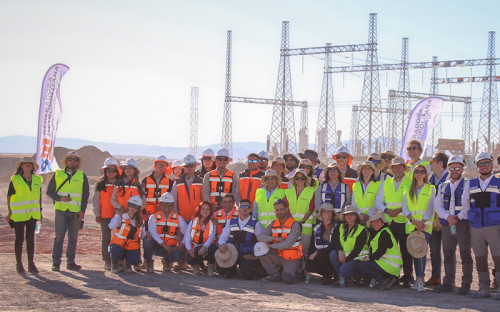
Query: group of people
x,y
280,219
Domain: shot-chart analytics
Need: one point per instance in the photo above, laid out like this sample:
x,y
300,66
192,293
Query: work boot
x,y
496,295
196,269
144,264
151,267
494,285
32,268
481,293
464,290
20,268
387,283
211,269
181,265
445,287
137,268
114,268
325,280
272,278
121,266
166,266
107,265
433,281
73,267
56,267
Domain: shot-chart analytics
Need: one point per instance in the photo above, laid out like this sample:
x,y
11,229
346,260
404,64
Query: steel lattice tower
x,y
437,131
370,114
283,122
467,127
354,128
489,122
303,132
326,132
227,127
193,140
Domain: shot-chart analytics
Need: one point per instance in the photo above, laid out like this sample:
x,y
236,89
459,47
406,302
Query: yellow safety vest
x,y
25,203
265,207
365,201
72,188
391,261
418,206
350,242
300,206
394,199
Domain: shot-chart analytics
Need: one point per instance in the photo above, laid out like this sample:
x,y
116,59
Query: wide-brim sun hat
x,y
367,163
324,206
333,165
268,174
348,209
72,154
417,244
227,259
375,216
26,159
260,249
391,153
396,162
311,155
291,155
302,171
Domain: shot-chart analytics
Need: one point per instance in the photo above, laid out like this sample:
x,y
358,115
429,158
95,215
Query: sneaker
x,y
20,268
32,268
56,267
420,286
373,282
433,281
342,282
308,279
387,283
107,266
73,267
272,278
443,288
464,290
481,293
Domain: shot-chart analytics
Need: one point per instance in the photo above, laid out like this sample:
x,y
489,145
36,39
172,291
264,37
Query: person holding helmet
x,y
313,157
456,228
278,165
332,190
250,179
207,162
481,204
263,208
166,229
156,184
69,188
344,158
127,231
128,186
103,209
365,190
220,181
387,157
187,189
379,164
24,199
291,163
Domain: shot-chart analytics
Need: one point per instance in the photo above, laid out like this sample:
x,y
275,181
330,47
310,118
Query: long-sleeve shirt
x,y
51,190
96,201
483,184
318,198
438,202
154,233
206,186
358,245
429,212
266,236
12,190
187,237
224,236
116,222
384,243
255,210
380,199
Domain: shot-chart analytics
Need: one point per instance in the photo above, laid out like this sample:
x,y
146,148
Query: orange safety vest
x,y
167,229
219,187
154,191
121,236
284,182
196,239
188,201
249,183
107,210
221,218
130,190
293,253
350,182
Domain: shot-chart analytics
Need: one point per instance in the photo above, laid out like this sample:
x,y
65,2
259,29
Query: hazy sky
x,y
133,63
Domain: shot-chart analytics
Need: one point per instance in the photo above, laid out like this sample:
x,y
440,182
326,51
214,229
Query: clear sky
x,y
133,63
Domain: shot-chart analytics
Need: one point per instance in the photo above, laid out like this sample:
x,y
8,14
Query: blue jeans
x,y
117,253
420,263
372,270
334,260
349,269
65,221
151,247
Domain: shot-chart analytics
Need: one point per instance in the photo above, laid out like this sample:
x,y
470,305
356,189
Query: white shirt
x,y
438,202
380,199
154,233
116,222
429,212
483,184
187,238
224,236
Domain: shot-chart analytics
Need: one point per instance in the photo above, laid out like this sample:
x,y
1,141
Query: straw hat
x,y
390,153
72,154
304,172
269,174
27,159
332,165
375,216
327,207
397,161
227,259
367,163
348,209
416,244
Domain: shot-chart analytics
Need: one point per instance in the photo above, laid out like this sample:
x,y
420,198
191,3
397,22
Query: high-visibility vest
x,y
123,237
154,191
446,198
391,261
124,193
265,207
349,243
418,206
187,201
394,199
365,201
25,203
249,183
167,229
284,184
484,206
220,187
221,217
245,239
107,210
319,236
293,253
300,206
196,238
72,188
335,197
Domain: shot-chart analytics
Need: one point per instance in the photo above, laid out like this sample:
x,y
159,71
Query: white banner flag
x,y
423,119
49,117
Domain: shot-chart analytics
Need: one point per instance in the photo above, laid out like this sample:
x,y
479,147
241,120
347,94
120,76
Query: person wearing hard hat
x,y
187,189
387,157
291,163
263,209
456,228
250,179
166,229
365,190
344,158
127,231
103,209
220,181
207,162
332,190
177,170
278,165
263,160
379,164
69,188
128,186
480,201
156,184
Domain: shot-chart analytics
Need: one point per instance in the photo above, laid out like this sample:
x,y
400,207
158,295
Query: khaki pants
x,y
272,262
450,242
481,239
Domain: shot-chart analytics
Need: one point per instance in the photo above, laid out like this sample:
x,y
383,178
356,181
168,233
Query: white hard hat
x,y
482,156
222,152
342,150
208,153
263,154
110,162
456,159
189,160
131,162
135,200
260,249
176,163
167,198
161,158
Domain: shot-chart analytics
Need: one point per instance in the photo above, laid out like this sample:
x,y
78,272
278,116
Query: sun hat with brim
x,y
278,159
291,155
302,171
269,174
417,245
391,153
227,259
374,156
311,155
397,161
324,206
72,154
367,163
333,165
305,162
375,216
26,159
260,249
348,209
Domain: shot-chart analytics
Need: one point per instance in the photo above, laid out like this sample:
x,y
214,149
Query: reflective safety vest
x,y
484,206
124,194
187,201
249,183
197,237
126,235
221,218
25,203
284,182
220,187
293,253
107,210
167,229
365,200
433,180
349,242
350,182
265,207
72,188
319,236
336,198
300,206
418,206
391,261
446,198
154,191
245,239
394,199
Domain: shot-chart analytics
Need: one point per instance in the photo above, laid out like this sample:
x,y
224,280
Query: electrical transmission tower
x,y
437,131
193,140
227,126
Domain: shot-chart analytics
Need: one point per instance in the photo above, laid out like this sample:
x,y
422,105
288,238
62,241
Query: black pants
x,y
209,256
30,239
321,264
399,232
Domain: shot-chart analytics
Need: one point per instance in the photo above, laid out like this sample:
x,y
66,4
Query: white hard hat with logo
x,y
260,249
135,200
167,198
131,162
189,160
222,152
161,158
482,156
208,153
456,159
110,162
263,154
176,163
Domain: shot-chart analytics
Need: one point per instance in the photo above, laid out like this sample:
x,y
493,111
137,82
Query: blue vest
x,y
382,176
446,198
436,183
319,238
245,239
484,206
338,196
317,172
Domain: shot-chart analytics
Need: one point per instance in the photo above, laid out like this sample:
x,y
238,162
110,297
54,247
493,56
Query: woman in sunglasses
x,y
379,164
365,190
418,207
103,209
307,166
207,162
333,190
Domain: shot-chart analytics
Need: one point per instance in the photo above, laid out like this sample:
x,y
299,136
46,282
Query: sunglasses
x,y
300,178
133,206
333,170
412,148
340,157
245,206
263,160
289,160
455,169
221,158
166,204
375,161
111,171
484,164
252,161
189,166
73,159
207,158
387,157
305,167
420,171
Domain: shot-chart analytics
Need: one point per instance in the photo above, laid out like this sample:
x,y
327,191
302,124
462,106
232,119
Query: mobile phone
x,y
81,224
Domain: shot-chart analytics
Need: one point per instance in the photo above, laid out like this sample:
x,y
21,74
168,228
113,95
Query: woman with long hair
x,y
24,199
207,162
418,207
199,242
365,190
307,166
332,190
128,186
